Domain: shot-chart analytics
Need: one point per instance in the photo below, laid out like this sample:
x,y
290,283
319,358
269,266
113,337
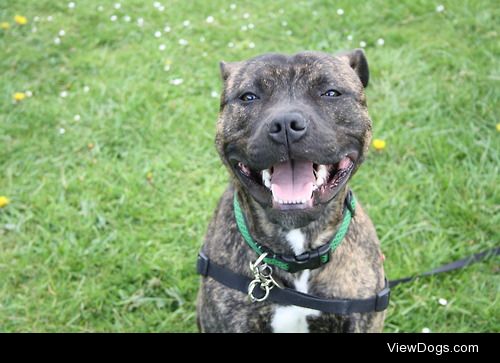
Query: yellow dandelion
x,y
149,176
19,96
90,146
4,201
4,25
379,144
21,20
498,127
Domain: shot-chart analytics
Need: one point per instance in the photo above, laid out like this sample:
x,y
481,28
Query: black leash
x,y
287,296
464,262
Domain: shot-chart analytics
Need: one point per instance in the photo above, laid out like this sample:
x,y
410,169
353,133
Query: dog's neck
x,y
298,240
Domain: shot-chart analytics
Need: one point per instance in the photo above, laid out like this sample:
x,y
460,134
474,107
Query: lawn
x,y
112,176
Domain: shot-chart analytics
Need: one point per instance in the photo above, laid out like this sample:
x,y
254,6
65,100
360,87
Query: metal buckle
x,y
263,278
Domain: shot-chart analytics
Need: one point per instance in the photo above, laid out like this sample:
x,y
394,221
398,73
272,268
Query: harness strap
x,y
287,296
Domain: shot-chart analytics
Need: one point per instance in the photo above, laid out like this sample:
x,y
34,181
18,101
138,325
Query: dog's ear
x,y
357,60
226,68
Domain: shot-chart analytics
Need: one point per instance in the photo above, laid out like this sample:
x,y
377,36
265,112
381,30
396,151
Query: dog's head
x,y
293,129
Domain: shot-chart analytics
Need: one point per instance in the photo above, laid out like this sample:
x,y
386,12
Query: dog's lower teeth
x,y
290,201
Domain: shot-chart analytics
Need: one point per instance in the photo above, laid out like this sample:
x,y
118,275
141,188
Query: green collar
x,y
307,260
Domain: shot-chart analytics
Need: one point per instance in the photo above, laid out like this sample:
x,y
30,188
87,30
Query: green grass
x,y
89,244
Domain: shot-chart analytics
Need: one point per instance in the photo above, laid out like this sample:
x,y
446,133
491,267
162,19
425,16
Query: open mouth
x,y
300,184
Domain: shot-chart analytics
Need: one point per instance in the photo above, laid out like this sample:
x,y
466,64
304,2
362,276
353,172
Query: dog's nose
x,y
288,128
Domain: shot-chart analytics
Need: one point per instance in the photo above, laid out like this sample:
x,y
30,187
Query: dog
x,y
292,130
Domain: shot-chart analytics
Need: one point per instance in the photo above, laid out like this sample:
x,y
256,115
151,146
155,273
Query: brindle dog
x,y
292,130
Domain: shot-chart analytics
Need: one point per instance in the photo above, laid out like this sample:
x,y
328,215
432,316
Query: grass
x,y
90,243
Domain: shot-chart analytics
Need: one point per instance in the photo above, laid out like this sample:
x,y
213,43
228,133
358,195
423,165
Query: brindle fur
x,y
355,269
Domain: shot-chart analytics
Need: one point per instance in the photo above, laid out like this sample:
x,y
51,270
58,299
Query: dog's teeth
x,y
320,181
266,178
322,172
315,187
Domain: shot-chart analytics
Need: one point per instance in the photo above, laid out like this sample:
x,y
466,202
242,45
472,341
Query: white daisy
x,y
288,32
167,29
86,89
284,23
246,15
251,26
57,40
77,118
442,301
380,41
349,37
156,4
214,94
28,93
426,330
161,8
113,17
232,6
362,44
210,19
100,8
202,39
62,33
63,94
440,8
176,81
244,28
230,45
140,21
340,11
186,23
251,45
183,42
162,47
127,18
157,34
50,18
62,130
71,5
118,6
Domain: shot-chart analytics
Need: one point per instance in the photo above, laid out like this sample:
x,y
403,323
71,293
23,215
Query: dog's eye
x,y
331,93
249,96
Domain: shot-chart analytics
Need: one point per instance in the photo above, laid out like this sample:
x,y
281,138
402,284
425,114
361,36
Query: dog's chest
x,y
293,319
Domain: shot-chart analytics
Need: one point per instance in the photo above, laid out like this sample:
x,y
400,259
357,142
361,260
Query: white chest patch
x,y
293,319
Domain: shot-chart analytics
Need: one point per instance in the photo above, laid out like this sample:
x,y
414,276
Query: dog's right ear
x,y
226,68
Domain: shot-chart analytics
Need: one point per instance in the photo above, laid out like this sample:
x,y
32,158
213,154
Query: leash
x,y
262,286
456,265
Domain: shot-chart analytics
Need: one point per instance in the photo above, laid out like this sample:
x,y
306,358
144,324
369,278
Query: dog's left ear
x,y
357,60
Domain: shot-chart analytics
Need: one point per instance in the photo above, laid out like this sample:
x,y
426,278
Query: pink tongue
x,y
292,180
